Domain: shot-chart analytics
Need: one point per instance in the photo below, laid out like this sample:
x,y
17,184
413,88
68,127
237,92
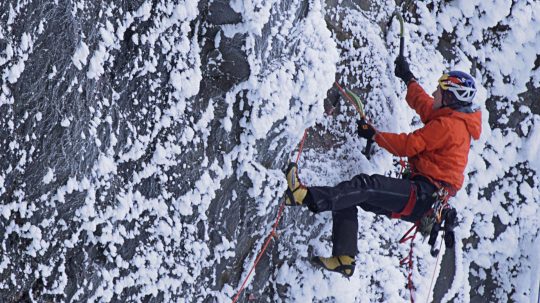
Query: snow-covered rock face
x,y
142,145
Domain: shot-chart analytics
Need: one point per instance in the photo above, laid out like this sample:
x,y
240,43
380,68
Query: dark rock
x,y
220,13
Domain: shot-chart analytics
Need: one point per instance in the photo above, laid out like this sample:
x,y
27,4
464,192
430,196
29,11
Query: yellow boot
x,y
296,191
342,264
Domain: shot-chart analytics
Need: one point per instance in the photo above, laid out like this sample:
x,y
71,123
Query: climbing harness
x,y
441,216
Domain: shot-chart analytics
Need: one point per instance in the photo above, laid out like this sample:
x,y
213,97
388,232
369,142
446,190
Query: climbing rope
x,y
273,232
433,275
409,259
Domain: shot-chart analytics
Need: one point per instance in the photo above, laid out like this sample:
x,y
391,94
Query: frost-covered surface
x,y
498,259
142,146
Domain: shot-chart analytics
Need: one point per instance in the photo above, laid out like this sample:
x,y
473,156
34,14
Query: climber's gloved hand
x,y
402,70
365,130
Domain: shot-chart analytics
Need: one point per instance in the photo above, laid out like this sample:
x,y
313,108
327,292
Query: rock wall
x,y
142,144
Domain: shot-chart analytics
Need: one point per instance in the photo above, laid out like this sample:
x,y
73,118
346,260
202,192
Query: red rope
x,y
301,146
409,259
259,256
272,234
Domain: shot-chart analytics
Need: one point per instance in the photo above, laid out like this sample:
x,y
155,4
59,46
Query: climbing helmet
x,y
459,84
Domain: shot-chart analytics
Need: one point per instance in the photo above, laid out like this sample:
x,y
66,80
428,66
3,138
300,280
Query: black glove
x,y
365,130
402,70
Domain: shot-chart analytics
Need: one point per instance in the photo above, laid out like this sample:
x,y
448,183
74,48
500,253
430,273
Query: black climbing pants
x,y
375,193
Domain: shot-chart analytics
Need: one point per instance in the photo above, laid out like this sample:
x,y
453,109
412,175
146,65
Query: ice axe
x,y
401,31
357,103
398,15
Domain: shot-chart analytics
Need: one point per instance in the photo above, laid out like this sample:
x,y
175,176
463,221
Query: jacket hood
x,y
473,121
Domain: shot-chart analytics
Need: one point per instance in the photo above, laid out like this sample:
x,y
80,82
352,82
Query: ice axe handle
x,y
367,150
401,45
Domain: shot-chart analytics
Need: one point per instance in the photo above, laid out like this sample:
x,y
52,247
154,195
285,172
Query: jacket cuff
x,y
411,80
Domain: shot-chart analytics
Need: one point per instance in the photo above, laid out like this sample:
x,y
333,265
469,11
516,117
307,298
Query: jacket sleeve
x,y
419,100
432,136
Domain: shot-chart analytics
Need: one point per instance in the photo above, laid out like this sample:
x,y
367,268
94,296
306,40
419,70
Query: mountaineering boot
x,y
341,264
296,191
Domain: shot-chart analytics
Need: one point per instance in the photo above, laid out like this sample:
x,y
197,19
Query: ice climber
x,y
437,155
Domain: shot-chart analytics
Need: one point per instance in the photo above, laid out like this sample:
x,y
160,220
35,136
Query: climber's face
x,y
437,96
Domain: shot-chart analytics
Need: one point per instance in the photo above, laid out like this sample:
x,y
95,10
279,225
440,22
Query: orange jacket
x,y
440,149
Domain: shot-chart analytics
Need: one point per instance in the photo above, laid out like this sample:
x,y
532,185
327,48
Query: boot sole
x,y
316,262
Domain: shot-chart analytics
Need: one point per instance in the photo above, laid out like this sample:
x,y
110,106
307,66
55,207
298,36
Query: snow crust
x,y
285,96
